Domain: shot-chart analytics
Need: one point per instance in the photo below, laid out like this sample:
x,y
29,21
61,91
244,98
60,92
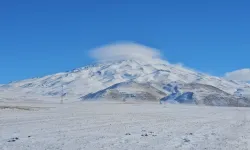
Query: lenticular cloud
x,y
124,51
241,75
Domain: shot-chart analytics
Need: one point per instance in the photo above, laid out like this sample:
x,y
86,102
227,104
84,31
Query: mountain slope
x,y
201,94
127,91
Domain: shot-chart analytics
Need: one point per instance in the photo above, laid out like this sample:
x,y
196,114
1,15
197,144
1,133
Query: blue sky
x,y
44,37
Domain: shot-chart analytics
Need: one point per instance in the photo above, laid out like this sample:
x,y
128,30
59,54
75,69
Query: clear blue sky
x,y
40,37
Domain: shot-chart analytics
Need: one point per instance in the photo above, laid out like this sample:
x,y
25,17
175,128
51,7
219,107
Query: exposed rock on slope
x,y
127,91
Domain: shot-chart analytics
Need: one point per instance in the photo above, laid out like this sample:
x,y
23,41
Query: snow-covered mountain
x,y
131,79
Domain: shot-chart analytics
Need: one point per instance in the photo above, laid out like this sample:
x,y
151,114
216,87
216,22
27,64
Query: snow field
x,y
123,126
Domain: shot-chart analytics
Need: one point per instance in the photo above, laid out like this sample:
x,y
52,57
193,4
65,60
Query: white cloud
x,y
124,50
240,75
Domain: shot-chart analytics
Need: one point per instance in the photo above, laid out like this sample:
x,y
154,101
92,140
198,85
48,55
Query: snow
x,y
114,125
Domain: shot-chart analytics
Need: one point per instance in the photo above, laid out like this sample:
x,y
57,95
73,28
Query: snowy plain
x,y
123,126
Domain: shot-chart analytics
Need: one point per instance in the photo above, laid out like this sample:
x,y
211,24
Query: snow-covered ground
x,y
116,125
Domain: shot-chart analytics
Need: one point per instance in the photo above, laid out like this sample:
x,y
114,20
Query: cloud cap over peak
x,y
125,50
240,75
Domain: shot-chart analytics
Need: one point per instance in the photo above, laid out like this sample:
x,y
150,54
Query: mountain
x,y
132,79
